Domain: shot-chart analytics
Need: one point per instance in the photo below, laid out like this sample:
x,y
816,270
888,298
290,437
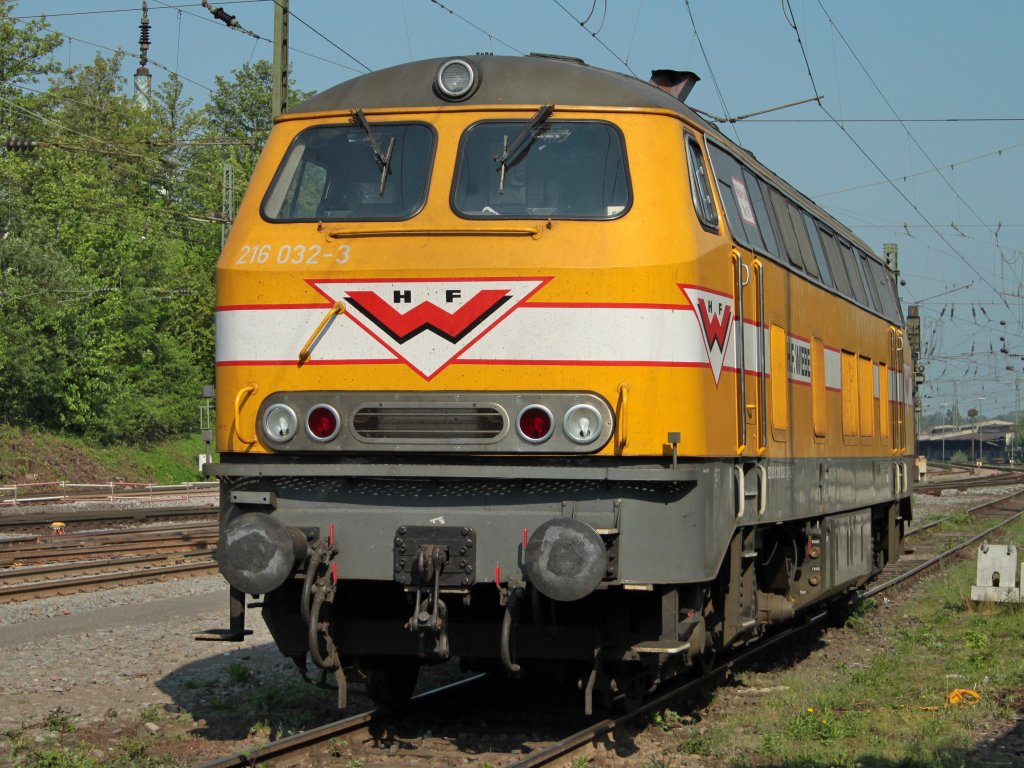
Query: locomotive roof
x,y
533,79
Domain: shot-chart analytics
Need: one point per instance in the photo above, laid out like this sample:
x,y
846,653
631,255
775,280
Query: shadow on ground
x,y
251,690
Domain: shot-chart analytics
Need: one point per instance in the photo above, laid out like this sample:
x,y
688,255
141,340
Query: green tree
x,y
109,237
116,366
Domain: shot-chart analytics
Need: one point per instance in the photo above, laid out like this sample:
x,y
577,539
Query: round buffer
x,y
566,559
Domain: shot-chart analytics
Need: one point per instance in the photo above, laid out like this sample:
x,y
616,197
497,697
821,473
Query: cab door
x,y
751,354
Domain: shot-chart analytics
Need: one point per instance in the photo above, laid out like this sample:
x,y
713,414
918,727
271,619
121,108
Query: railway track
x,y
38,522
969,479
373,739
33,566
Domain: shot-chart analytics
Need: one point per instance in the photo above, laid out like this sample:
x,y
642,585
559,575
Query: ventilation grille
x,y
464,424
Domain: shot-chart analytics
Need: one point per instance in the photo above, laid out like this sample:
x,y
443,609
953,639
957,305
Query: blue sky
x,y
951,71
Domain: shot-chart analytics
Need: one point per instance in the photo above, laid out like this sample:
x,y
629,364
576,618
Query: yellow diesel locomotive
x,y
521,361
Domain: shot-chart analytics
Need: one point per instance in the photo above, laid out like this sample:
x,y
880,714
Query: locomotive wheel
x,y
391,681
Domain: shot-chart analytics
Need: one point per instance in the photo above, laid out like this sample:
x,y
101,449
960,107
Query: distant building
x,y
987,441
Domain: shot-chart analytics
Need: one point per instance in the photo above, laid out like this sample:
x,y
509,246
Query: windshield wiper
x,y
528,132
383,158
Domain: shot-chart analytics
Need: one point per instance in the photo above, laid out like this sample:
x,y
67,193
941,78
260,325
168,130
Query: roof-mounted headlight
x,y
456,80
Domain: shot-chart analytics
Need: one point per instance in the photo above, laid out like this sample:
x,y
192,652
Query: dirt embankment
x,y
30,457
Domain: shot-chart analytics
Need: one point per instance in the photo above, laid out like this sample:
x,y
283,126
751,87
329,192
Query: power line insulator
x,y
21,145
220,14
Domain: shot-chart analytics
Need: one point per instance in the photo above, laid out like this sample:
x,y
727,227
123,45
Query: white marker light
x,y
582,424
280,422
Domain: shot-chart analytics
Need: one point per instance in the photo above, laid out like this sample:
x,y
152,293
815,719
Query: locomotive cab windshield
x,y
353,173
560,169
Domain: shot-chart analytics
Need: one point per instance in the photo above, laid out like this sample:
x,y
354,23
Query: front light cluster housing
x,y
436,422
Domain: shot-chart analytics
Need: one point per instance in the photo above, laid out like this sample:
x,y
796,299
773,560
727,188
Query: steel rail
x,y
40,588
934,560
108,514
971,510
10,574
314,736
197,543
594,731
977,482
63,541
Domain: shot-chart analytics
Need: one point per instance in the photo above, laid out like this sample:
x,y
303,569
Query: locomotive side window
x,y
561,170
757,191
811,232
810,264
350,173
835,262
873,296
700,184
786,231
881,279
856,281
736,198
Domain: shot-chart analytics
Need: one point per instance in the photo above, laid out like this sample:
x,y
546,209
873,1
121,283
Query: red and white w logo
x,y
714,316
426,322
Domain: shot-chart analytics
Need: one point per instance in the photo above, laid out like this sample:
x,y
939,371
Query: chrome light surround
x,y
551,423
582,424
456,80
337,422
280,423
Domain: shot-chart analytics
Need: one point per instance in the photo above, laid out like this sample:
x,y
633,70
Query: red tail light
x,y
323,422
534,423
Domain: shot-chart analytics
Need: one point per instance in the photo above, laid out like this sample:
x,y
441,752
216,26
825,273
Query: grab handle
x,y
240,398
623,402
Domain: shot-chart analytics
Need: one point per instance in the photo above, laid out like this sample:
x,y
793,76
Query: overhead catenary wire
x,y
322,36
260,38
129,9
892,109
490,35
791,19
955,164
595,36
711,73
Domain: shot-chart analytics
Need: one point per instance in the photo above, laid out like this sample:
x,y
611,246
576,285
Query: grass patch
x,y
879,697
238,673
272,711
60,720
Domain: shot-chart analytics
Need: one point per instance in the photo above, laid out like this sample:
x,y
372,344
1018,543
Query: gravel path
x,y
120,649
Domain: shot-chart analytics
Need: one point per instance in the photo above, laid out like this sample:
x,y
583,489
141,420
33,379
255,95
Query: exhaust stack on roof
x,y
678,84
